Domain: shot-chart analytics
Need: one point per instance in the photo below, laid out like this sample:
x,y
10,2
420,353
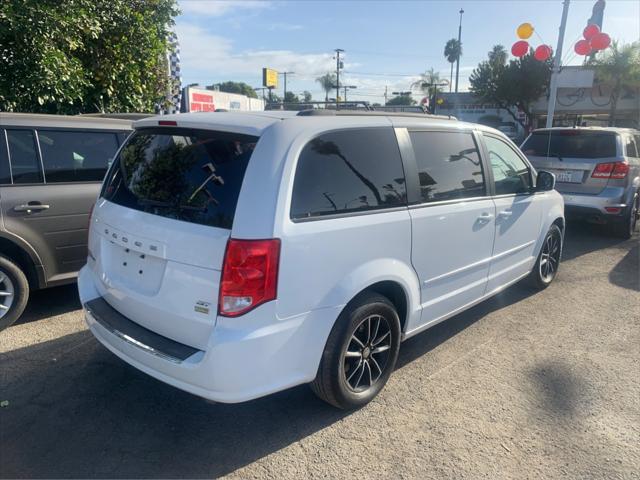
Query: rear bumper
x,y
245,358
577,205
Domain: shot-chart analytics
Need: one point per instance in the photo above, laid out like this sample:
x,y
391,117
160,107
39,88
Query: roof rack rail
x,y
317,112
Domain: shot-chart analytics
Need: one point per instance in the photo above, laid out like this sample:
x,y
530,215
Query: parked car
x,y
597,171
234,255
51,169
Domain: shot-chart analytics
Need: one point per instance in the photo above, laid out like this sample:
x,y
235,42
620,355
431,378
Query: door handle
x,y
505,214
30,207
485,217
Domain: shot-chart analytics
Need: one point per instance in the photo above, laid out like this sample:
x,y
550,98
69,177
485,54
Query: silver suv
x,y
597,171
51,169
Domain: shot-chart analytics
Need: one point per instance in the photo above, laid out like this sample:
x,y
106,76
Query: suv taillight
x,y
616,170
620,170
249,275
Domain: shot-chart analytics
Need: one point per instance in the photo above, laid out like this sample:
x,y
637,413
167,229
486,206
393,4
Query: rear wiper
x,y
557,155
159,204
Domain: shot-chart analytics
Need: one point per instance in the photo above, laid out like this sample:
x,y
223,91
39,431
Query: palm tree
x,y
498,56
429,82
328,83
452,52
618,66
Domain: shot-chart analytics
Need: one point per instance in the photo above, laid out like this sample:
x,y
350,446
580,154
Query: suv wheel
x,y
546,267
360,354
627,227
14,292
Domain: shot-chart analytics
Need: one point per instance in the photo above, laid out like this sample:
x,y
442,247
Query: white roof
x,y
254,123
249,123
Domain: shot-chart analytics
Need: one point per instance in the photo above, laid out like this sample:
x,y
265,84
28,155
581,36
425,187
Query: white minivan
x,y
233,255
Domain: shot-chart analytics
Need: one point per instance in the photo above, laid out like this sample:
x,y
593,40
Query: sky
x,y
386,43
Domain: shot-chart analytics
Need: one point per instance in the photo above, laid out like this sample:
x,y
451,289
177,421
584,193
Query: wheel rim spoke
x,y
381,349
372,337
379,340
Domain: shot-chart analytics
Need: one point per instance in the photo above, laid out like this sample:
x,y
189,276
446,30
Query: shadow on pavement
x,y
50,302
78,411
582,238
626,273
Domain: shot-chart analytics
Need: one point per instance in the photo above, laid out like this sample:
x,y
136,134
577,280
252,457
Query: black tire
x,y
629,224
20,287
331,383
546,266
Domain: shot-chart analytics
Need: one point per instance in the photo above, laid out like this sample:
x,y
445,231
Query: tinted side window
x,y
449,165
5,172
76,156
630,148
510,173
24,159
349,171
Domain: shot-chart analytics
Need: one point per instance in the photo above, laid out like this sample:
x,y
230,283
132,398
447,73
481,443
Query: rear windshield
x,y
185,174
571,143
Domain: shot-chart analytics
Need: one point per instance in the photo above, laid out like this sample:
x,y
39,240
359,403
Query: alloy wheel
x,y
7,293
366,356
550,257
635,213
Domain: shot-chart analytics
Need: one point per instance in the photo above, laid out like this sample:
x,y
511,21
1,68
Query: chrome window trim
x,y
6,142
37,139
349,214
449,202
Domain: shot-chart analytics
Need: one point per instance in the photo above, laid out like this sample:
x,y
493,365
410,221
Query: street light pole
x,y
338,51
460,45
285,84
553,87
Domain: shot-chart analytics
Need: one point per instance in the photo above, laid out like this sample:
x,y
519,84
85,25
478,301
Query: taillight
x,y
602,170
249,275
614,170
620,170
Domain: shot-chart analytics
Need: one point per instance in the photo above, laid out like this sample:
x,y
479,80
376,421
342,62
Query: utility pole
x,y
345,90
460,44
285,84
385,95
553,88
338,66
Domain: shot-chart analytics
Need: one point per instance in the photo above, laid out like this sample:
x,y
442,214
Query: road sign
x,y
269,78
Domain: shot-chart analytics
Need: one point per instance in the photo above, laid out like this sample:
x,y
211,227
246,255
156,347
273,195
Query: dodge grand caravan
x,y
237,254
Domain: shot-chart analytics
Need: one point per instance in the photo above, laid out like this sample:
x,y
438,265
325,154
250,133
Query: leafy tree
x,y
452,52
85,55
235,87
618,66
328,83
307,96
516,84
402,100
291,97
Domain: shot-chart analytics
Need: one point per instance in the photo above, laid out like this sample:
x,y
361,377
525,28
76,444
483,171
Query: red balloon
x,y
582,47
520,48
542,53
600,41
590,31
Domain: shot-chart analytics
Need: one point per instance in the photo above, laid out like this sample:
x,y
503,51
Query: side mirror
x,y
545,182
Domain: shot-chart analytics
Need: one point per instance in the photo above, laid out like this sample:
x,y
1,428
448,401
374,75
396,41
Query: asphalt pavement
x,y
526,385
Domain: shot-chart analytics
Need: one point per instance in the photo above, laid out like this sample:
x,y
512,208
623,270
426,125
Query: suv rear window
x,y
185,174
571,144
